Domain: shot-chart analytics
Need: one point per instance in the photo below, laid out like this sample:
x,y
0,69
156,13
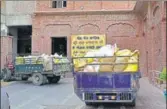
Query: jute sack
x,y
107,68
121,67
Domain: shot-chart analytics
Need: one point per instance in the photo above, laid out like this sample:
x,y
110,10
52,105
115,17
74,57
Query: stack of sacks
x,y
105,51
56,58
79,64
83,62
44,59
19,60
121,67
39,60
61,62
107,68
92,68
90,54
47,63
118,60
59,59
133,59
30,59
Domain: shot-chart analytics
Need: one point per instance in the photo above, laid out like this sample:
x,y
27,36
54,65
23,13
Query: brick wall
x,y
6,49
155,34
123,29
86,5
128,30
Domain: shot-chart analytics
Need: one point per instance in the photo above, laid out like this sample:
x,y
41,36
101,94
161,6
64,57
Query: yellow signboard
x,y
80,44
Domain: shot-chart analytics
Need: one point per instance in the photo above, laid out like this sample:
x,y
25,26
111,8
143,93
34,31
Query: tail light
x,y
10,66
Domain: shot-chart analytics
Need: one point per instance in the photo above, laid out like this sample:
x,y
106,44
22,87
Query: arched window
x,y
156,15
156,10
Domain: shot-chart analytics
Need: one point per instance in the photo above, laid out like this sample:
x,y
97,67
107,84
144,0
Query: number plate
x,y
113,97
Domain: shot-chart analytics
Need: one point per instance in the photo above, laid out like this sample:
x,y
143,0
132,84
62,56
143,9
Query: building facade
x,y
15,17
133,25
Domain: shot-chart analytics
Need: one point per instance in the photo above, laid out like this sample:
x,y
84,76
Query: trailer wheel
x,y
37,79
24,78
54,79
6,74
50,79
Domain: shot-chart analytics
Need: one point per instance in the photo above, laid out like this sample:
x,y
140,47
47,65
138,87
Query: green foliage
x,y
164,70
163,74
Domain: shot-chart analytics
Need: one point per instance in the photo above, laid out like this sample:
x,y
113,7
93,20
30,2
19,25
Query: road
x,y
24,95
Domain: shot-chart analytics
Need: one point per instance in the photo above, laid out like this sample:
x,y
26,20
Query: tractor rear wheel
x,y
54,79
37,79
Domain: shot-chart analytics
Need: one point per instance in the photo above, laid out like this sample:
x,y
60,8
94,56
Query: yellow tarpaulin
x,y
81,44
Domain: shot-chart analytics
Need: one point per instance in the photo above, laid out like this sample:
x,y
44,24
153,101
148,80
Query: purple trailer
x,y
107,87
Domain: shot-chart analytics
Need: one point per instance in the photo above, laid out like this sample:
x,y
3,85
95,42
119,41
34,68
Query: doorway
x,y
21,39
59,45
24,40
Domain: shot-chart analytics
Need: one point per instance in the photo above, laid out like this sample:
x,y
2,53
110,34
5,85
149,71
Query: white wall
x,y
18,20
3,19
4,29
19,12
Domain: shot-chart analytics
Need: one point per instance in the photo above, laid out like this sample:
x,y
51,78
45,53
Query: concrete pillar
x,y
13,32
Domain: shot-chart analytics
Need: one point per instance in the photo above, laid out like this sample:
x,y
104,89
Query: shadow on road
x,y
100,106
108,106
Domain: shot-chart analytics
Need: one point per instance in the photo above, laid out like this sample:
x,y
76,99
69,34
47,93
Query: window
x,y
59,4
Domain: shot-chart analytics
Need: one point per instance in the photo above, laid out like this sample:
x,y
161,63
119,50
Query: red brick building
x,y
6,49
134,25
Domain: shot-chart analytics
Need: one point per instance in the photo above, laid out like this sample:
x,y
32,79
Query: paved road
x,y
24,95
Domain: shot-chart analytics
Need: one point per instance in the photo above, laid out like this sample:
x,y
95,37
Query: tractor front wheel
x,y
6,74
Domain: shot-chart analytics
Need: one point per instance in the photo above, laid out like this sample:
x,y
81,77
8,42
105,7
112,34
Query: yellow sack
x,y
132,67
90,60
33,60
78,69
90,54
89,68
75,61
107,68
40,61
116,49
79,63
121,67
135,54
124,52
56,60
19,60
